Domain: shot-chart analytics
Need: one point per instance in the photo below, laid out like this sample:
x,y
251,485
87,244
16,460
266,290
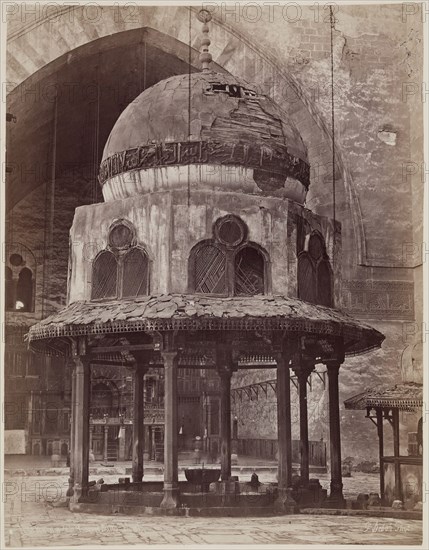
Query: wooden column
x,y
91,433
171,486
303,371
81,426
379,413
72,431
225,423
284,434
336,497
152,443
138,424
106,440
284,423
396,453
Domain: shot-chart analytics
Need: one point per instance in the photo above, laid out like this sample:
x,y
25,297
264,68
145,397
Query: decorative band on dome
x,y
277,163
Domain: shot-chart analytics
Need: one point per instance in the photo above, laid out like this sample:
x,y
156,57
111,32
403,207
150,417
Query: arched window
x,y
9,289
135,273
24,290
324,283
104,276
314,272
209,269
20,271
249,272
306,279
122,271
228,263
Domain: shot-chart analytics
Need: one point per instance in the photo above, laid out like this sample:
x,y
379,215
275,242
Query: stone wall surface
x,y
258,418
168,228
379,180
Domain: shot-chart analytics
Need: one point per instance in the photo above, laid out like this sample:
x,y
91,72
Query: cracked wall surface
x,y
377,55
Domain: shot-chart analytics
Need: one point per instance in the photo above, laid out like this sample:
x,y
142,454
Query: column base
x,y
171,496
336,498
310,495
339,503
70,490
285,503
77,492
137,477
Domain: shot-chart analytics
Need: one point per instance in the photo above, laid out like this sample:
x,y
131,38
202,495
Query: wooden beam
x,y
126,347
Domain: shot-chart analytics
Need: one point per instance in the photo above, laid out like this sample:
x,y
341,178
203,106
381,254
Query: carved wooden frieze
x,y
273,161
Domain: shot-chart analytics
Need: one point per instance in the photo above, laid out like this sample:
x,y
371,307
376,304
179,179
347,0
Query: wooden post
x,y
81,427
171,486
91,434
225,423
302,371
106,440
379,413
153,443
396,453
138,425
72,431
336,497
285,501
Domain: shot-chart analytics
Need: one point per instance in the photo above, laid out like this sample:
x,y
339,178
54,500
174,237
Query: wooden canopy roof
x,y
406,396
174,312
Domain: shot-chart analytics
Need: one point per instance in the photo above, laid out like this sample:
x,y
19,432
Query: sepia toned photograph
x,y
213,295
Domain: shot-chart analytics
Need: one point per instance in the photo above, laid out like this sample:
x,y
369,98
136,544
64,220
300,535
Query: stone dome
x,y
155,142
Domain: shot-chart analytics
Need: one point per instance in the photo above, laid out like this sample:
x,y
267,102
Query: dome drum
x,y
168,229
198,177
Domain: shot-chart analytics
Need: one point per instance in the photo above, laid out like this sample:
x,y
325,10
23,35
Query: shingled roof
x,y
198,312
406,396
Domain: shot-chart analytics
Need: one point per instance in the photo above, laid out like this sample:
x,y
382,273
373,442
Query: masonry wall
x,y
379,178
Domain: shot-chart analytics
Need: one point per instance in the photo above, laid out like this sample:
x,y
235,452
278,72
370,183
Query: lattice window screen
x,y
306,279
324,284
210,270
249,272
104,276
135,274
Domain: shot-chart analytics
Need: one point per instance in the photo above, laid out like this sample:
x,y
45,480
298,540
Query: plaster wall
x,y
169,224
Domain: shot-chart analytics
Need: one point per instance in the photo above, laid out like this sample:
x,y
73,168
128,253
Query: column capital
x,y
81,361
169,357
225,371
283,357
303,368
79,346
333,367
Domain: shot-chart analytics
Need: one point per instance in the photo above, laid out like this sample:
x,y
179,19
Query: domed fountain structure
x,y
203,249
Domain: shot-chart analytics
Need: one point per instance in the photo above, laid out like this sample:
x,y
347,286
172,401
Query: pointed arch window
x,y
24,290
9,289
228,264
249,272
122,270
135,274
315,272
105,276
20,271
209,269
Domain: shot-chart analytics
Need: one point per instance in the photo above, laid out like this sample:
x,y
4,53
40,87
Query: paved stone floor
x,y
35,516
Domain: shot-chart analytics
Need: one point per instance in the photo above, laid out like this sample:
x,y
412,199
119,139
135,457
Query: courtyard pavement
x,y
35,515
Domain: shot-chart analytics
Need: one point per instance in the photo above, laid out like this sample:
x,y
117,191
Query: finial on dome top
x,y
205,56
